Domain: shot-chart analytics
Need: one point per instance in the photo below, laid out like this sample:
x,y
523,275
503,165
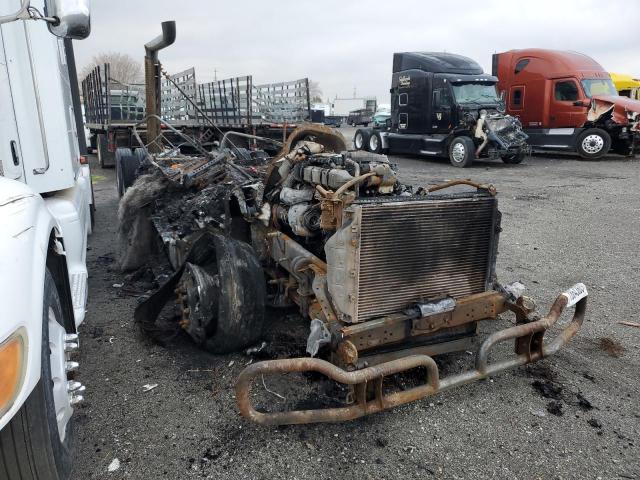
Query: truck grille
x,y
422,251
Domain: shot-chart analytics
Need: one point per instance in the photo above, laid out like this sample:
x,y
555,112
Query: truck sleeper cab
x,y
567,102
444,105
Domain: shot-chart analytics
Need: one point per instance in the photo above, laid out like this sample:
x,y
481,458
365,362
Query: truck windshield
x,y
475,92
598,86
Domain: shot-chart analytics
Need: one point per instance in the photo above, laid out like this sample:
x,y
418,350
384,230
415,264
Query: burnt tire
x,y
514,158
375,143
593,143
30,444
361,139
142,156
241,297
462,152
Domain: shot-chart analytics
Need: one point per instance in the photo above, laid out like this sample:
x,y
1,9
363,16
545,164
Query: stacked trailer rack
x,y
110,109
202,110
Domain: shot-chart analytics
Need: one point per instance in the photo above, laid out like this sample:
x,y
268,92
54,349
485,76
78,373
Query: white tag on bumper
x,y
575,294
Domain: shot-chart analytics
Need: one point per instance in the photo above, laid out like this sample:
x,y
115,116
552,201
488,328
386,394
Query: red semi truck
x,y
567,101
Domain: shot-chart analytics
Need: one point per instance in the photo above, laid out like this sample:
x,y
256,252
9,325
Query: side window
x,y
566,91
446,99
403,120
520,65
516,98
403,99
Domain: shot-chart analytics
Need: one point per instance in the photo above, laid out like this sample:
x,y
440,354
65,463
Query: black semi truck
x,y
445,105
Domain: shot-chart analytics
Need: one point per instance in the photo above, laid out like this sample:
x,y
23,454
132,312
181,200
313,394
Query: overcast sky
x,y
349,44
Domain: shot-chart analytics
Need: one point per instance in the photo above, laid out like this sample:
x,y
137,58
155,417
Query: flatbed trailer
x,y
204,111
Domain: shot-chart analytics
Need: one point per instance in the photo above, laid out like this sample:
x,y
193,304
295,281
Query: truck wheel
x,y
514,158
593,143
127,165
223,300
141,155
37,443
462,152
375,143
105,157
361,139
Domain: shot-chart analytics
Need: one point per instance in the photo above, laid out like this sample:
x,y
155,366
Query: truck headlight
x,y
13,355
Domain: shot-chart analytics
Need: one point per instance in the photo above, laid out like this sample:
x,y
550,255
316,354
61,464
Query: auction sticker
x,y
575,294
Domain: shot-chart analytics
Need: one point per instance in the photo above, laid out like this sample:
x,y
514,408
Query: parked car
x,y
359,117
380,119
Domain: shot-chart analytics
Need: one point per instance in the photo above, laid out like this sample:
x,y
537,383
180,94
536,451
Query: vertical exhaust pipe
x,y
152,80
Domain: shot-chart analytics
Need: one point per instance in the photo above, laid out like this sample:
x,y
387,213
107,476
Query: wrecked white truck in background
x,y
45,213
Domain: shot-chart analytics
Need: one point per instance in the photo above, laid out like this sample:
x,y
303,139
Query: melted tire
x,y
242,297
30,446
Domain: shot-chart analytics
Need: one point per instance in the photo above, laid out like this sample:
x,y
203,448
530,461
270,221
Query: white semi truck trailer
x,y
45,217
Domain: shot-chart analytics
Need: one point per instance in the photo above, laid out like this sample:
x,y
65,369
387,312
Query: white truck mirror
x,y
71,18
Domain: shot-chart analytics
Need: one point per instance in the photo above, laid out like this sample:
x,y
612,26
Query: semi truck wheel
x,y
375,143
593,143
514,158
37,443
120,152
127,164
462,152
223,298
361,139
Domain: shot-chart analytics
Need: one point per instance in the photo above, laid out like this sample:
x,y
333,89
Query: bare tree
x,y
315,92
122,67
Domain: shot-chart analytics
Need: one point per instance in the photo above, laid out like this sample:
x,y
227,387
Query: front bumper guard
x,y
529,348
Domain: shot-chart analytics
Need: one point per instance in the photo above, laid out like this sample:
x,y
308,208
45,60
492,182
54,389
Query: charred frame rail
x,y
529,350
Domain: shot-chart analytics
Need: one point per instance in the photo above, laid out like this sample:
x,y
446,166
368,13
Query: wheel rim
x,y
58,360
373,142
358,141
458,152
593,143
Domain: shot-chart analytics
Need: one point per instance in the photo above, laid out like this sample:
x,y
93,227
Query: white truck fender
x,y
27,227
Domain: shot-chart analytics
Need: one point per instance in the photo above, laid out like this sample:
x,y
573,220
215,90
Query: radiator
x,y
406,252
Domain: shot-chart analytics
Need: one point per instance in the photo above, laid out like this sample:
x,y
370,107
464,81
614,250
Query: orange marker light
x,y
12,363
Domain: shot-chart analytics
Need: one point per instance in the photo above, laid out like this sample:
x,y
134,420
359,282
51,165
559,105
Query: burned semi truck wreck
x,y
385,275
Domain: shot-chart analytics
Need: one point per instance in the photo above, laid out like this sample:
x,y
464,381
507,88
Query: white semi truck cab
x,y
45,218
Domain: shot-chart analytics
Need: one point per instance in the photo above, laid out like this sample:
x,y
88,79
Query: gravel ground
x,y
572,416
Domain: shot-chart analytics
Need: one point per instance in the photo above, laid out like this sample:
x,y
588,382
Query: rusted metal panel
x,y
399,327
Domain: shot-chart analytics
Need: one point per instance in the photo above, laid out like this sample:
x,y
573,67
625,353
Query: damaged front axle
x,y
529,348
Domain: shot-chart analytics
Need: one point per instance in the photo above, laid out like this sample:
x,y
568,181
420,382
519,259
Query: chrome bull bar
x,y
529,348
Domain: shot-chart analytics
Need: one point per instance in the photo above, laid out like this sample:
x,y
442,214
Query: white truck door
x,y
11,165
